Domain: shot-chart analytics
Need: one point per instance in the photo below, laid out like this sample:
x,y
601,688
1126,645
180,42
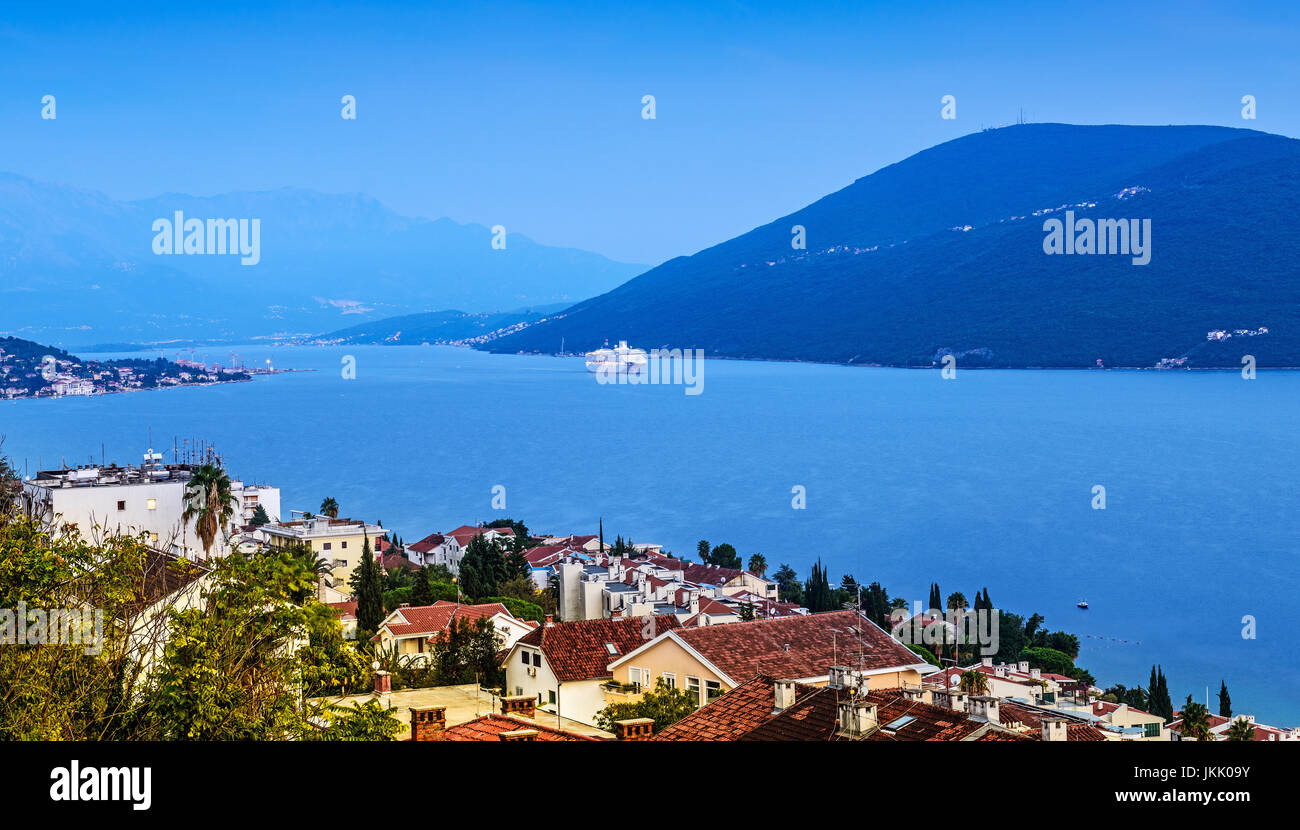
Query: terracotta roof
x,y
490,727
798,646
388,561
345,609
741,710
431,619
579,650
745,714
428,543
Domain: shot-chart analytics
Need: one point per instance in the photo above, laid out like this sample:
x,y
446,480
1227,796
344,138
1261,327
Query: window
x,y
121,505
550,697
343,544
693,686
712,690
670,680
340,563
611,648
537,658
634,677
1151,730
326,546
151,504
524,655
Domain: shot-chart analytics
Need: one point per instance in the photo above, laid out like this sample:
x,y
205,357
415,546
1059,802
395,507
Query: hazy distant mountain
x,y
943,252
77,267
433,327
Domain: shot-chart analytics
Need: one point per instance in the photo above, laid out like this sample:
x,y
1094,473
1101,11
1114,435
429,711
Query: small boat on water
x,y
1083,603
618,360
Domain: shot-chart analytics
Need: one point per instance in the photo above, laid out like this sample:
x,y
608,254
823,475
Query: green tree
x,y
974,682
1225,700
957,600
260,516
1048,659
758,565
1241,730
358,722
466,652
725,556
368,589
817,590
209,503
329,507
1196,721
936,599
228,670
789,588
702,550
422,591
663,704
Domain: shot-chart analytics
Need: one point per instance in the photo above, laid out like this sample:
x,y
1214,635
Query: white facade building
x,y
147,499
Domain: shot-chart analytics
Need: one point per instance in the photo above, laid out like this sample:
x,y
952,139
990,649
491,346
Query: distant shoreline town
x,y
31,370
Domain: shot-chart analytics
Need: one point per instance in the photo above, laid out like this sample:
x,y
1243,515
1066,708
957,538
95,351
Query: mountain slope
x,y
77,265
942,252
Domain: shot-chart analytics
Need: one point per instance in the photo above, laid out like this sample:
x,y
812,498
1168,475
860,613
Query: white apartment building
x,y
147,499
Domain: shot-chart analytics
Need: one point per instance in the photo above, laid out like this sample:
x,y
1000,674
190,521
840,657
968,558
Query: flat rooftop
x,y
463,704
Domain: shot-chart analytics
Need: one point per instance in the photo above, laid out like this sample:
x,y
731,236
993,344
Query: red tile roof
x,y
739,711
431,619
798,646
389,561
345,609
428,543
745,714
578,651
490,727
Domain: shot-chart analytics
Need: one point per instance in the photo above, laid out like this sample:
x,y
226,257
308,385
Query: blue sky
x,y
529,114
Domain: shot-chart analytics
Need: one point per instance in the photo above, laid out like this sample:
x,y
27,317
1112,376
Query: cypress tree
x,y
1225,702
368,588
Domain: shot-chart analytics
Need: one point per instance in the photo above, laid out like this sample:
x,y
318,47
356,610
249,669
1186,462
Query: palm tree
x,y
1196,720
329,507
1241,730
974,682
209,503
758,565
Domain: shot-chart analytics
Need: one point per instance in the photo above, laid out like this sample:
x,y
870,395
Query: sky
x,y
529,115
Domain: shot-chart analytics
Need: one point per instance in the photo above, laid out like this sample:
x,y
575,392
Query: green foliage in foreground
x,y
662,704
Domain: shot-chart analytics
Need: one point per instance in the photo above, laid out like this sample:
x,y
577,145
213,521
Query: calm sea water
x,y
985,480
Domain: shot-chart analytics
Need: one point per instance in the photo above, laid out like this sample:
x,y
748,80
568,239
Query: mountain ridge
x,y
942,253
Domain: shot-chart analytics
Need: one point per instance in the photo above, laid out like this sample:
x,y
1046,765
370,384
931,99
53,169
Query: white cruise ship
x,y
618,360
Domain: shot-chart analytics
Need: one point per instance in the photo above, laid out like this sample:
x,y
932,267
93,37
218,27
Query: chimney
x,y
383,683
984,708
635,729
518,735
1023,667
429,724
987,662
1054,729
958,700
550,620
1036,674
783,695
695,603
858,717
522,705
